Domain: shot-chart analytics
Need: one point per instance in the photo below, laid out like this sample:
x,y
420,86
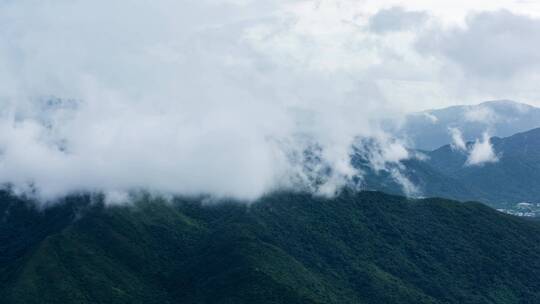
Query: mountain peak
x,y
429,130
504,104
501,102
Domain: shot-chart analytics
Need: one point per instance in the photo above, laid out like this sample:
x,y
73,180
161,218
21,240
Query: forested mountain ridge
x,y
428,130
365,247
444,172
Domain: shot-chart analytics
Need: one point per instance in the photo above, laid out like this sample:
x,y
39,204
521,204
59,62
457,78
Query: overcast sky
x,y
218,96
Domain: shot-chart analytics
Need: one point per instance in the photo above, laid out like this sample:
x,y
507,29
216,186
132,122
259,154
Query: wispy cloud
x,y
458,143
214,96
180,97
482,152
481,114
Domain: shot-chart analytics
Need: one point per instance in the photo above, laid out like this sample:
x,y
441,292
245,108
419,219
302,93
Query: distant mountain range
x,y
429,130
288,248
444,172
297,248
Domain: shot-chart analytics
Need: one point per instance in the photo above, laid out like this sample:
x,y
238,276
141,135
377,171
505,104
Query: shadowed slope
x,y
286,248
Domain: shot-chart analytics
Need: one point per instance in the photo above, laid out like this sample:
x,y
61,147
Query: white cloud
x,y
492,44
180,97
482,152
214,96
382,151
396,19
431,117
493,54
458,143
481,114
408,187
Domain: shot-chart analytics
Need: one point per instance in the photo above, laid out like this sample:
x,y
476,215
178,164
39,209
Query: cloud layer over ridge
x,y
223,97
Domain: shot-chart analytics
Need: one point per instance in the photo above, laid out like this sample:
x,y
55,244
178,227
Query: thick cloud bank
x,y
174,96
220,97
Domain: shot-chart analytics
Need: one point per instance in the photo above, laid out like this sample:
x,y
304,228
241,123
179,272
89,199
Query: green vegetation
x,y
513,179
444,173
364,247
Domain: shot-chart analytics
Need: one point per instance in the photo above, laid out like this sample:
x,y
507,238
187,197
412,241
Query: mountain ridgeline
x,y
294,247
365,247
444,172
428,130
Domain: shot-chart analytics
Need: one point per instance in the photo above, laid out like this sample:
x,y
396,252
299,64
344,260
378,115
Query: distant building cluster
x,y
523,209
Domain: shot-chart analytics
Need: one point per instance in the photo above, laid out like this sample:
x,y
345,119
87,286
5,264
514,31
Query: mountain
x,y
417,178
429,130
513,178
363,247
445,173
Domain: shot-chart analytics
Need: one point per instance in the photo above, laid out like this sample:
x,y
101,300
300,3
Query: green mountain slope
x,y
426,180
445,173
514,178
286,248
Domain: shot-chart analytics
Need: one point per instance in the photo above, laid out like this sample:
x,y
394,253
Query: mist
x,y
213,97
167,96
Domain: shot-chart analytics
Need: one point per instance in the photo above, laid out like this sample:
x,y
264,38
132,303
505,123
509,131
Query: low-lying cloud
x,y
482,152
180,97
219,97
396,19
478,152
481,114
458,143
